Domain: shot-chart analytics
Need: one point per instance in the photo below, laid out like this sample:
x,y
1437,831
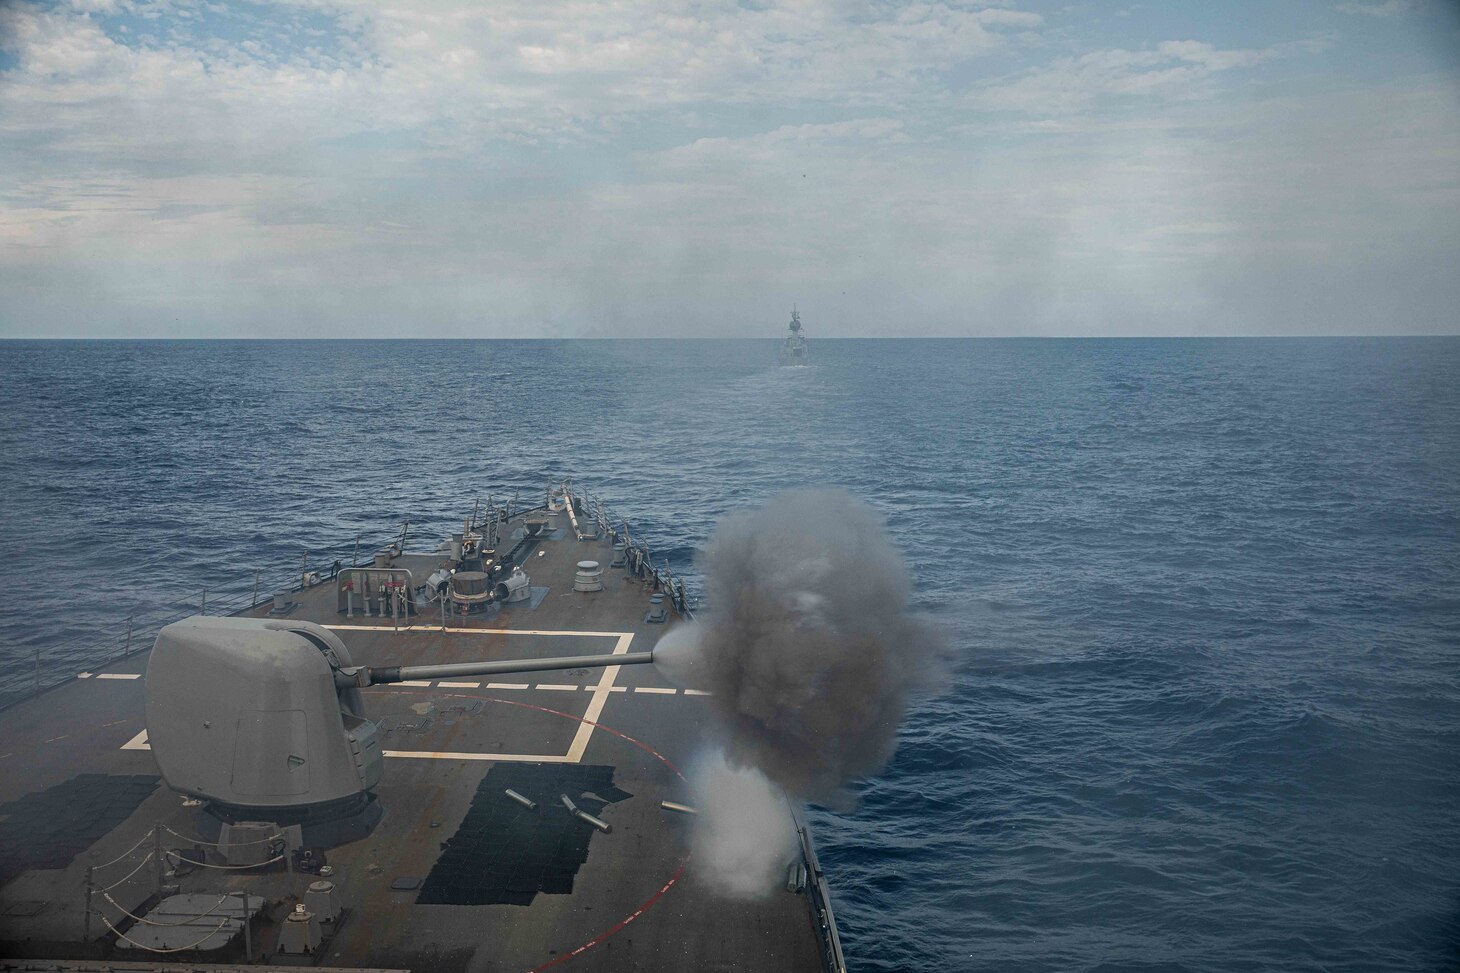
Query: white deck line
x,y
596,704
696,692
120,675
458,685
508,685
414,682
139,742
655,689
558,686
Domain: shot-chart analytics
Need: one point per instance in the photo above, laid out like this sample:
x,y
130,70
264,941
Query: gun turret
x,y
263,719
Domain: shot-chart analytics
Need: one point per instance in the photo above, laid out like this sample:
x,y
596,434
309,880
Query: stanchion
x,y
86,936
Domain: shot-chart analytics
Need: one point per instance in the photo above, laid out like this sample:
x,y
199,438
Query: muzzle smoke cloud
x,y
741,842
809,648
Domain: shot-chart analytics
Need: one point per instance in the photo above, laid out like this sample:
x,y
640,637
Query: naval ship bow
x,y
450,760
795,350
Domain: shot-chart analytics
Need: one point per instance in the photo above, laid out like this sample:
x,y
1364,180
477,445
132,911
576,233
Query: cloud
x,y
1389,8
583,168
462,77
1170,69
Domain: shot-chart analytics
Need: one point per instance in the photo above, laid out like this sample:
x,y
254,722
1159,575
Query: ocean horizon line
x,y
725,338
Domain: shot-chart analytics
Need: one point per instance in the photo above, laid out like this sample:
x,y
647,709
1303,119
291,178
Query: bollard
x,y
589,577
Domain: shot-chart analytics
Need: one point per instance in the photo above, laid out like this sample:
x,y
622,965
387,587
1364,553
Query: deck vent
x,y
515,587
301,933
323,900
657,612
589,577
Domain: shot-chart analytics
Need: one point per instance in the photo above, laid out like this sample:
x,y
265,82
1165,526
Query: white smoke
x,y
741,843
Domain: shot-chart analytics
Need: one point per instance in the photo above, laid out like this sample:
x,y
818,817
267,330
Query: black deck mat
x,y
49,828
504,854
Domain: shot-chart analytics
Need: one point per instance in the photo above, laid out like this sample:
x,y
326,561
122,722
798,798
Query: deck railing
x,y
819,895
639,562
28,671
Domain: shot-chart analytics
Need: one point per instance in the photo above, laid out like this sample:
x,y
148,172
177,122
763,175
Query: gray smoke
x,y
810,649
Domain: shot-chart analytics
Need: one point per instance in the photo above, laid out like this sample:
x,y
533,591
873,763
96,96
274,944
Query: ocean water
x,y
1204,708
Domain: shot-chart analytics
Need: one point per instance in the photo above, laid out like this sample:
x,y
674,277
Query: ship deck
x,y
81,802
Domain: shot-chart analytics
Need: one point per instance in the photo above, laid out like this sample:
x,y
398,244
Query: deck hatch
x,y
504,854
262,737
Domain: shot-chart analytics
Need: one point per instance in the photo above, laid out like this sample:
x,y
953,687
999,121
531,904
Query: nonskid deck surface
x,y
506,890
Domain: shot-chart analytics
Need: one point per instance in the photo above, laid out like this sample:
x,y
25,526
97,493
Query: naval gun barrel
x,y
379,675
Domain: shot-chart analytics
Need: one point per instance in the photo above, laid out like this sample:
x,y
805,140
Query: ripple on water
x,y
1205,709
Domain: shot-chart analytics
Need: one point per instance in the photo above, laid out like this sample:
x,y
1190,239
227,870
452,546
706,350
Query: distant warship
x,y
796,350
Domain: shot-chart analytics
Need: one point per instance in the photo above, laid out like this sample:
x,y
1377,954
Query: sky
x,y
614,168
